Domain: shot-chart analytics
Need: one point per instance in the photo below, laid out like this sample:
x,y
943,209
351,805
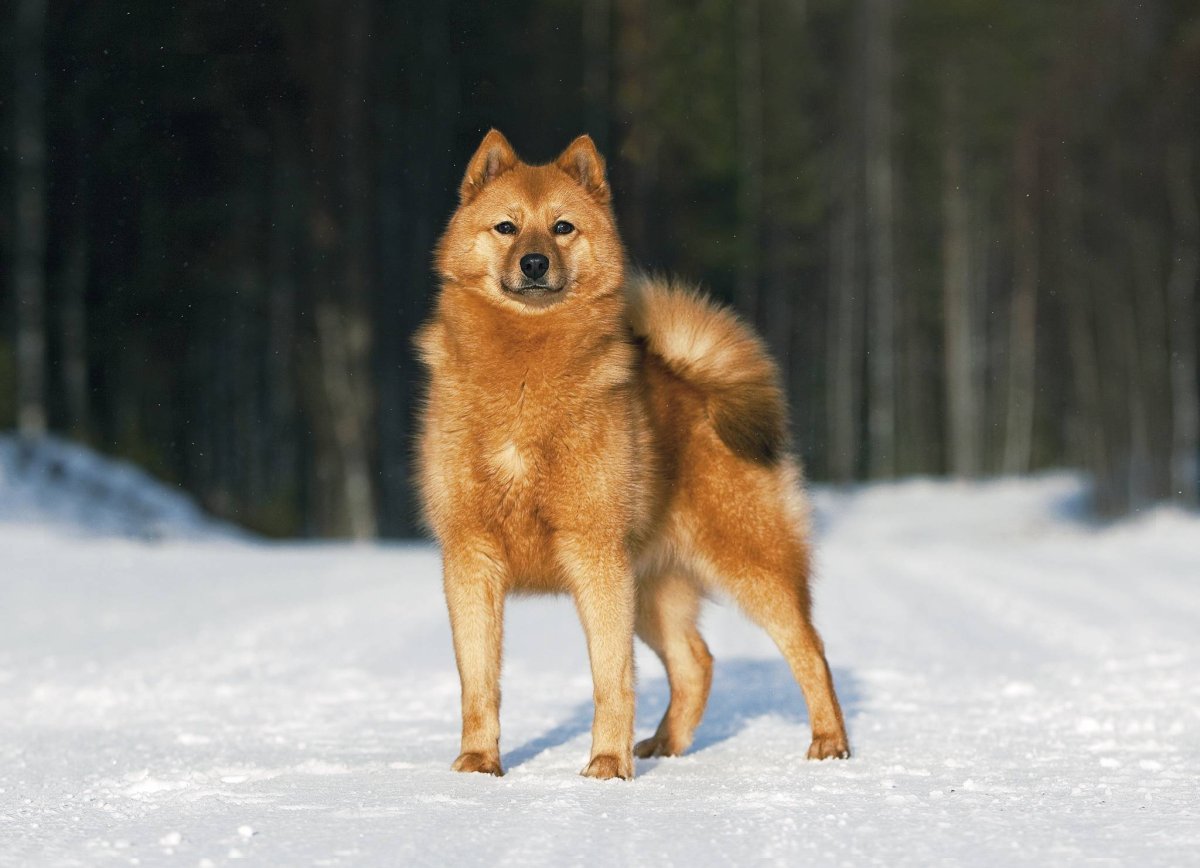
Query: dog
x,y
611,436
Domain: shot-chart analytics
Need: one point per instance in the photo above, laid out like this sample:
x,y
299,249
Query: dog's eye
x,y
562,227
506,227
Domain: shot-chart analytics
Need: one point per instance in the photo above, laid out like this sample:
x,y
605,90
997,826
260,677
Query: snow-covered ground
x,y
1020,687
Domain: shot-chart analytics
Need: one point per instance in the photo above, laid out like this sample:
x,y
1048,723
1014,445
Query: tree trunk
x,y
844,390
357,275
1181,299
1146,335
983,263
73,314
961,398
1022,335
638,128
29,254
597,52
844,385
881,339
1078,301
283,458
783,246
340,388
750,157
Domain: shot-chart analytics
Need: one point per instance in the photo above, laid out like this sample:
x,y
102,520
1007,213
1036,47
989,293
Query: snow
x,y
50,482
1021,686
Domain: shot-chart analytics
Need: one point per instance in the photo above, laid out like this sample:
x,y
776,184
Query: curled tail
x,y
708,346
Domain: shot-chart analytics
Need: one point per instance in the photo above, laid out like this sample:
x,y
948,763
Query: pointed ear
x,y
583,162
493,158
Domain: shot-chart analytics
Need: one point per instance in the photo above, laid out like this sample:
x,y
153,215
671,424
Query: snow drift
x,y
49,482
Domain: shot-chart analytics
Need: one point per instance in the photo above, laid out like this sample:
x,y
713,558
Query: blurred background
x,y
969,229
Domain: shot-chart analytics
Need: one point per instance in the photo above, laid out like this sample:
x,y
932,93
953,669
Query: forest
x,y
968,229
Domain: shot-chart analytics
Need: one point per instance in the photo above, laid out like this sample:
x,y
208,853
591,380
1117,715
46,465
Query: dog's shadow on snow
x,y
743,689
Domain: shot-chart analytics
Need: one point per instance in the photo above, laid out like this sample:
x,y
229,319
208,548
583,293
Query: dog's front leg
x,y
603,586
475,588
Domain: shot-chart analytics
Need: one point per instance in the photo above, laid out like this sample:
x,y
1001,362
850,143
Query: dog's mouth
x,y
531,288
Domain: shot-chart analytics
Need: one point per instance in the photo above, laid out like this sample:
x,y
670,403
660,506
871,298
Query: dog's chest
x,y
512,465
516,490
510,457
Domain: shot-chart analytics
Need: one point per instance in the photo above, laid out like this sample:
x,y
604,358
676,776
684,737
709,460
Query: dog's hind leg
x,y
792,629
768,578
668,605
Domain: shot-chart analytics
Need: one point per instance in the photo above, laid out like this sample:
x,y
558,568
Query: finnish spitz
x,y
610,436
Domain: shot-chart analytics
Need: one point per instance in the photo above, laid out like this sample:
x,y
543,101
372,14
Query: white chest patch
x,y
509,462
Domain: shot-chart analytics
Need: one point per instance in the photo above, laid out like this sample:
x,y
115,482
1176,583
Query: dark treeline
x,y
968,228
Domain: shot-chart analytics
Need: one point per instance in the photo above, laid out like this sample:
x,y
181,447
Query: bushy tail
x,y
708,346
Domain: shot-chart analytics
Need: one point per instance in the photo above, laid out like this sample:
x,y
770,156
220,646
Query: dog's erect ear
x,y
493,158
583,162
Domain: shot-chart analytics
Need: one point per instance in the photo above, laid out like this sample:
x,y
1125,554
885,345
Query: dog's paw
x,y
478,762
657,745
829,747
606,766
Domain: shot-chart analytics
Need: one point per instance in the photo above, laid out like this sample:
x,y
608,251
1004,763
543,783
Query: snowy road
x,y
1019,687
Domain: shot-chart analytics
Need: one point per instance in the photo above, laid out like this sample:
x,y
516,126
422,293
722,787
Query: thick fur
x,y
707,346
618,439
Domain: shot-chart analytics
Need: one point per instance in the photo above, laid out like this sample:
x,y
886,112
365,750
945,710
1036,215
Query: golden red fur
x,y
609,436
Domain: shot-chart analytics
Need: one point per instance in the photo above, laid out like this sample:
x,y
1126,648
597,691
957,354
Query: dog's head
x,y
532,237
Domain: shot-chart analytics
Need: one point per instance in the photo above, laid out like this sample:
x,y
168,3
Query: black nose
x,y
534,265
